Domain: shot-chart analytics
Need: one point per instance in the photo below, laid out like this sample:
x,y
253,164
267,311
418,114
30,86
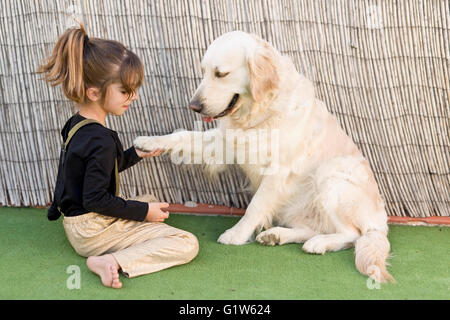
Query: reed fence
x,y
382,67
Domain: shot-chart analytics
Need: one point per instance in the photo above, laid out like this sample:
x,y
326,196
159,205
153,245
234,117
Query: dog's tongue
x,y
208,119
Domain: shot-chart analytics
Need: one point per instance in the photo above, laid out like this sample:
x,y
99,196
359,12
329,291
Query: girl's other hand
x,y
149,154
155,214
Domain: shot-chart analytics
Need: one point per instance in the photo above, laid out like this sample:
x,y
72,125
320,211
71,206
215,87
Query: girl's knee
x,y
190,245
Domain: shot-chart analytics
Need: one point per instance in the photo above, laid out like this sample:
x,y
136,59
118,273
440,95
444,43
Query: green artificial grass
x,y
35,256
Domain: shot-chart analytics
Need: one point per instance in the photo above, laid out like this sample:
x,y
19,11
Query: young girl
x,y
102,77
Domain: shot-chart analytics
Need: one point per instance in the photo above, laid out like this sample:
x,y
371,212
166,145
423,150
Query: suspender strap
x,y
116,172
71,134
75,129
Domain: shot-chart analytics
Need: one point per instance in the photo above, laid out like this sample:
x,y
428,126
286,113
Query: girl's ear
x,y
93,94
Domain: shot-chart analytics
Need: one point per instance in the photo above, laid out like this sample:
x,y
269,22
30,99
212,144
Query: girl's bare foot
x,y
107,268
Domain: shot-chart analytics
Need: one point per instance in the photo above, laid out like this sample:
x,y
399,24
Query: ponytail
x,y
65,65
79,63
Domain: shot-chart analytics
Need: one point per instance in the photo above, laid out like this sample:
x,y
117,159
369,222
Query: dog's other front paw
x,y
234,237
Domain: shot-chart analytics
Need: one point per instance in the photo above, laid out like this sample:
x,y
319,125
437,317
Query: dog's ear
x,y
262,64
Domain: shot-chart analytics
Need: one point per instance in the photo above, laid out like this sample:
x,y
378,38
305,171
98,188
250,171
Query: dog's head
x,y
237,66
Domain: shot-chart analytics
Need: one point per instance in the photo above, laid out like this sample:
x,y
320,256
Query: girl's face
x,y
117,101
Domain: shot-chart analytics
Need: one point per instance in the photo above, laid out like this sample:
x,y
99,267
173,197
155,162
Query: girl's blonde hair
x,y
78,63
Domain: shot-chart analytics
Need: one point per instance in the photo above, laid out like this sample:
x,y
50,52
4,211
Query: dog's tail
x,y
372,251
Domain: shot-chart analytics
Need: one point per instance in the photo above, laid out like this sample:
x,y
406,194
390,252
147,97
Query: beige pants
x,y
138,247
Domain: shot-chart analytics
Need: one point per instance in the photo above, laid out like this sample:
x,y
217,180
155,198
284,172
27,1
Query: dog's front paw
x,y
232,236
147,143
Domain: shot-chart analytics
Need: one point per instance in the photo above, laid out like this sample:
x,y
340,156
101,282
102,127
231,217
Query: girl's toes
x,y
116,284
115,278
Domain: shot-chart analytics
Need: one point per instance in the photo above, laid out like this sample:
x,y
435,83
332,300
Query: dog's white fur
x,y
323,193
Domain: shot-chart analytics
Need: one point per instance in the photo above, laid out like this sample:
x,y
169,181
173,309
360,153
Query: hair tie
x,y
86,39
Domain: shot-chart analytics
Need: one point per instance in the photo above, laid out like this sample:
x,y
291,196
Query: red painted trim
x,y
209,209
428,220
202,208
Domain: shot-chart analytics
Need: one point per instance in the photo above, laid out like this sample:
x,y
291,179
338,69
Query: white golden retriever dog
x,y
311,184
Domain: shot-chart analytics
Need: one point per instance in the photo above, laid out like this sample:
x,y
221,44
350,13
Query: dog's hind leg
x,y
280,235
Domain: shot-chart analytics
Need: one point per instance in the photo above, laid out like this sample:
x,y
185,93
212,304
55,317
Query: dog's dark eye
x,y
221,74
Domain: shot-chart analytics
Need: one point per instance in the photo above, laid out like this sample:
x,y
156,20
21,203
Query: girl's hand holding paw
x,y
149,154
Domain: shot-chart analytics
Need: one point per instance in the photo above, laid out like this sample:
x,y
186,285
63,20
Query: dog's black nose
x,y
196,105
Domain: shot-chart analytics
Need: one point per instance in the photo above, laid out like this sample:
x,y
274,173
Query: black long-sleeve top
x,y
89,180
